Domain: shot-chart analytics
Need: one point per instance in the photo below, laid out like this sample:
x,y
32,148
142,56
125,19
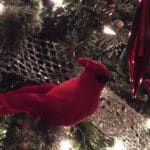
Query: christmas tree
x,y
40,43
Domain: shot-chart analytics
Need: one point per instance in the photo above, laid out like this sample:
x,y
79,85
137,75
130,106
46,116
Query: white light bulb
x,y
108,30
148,123
4,131
58,3
65,145
1,8
119,145
110,14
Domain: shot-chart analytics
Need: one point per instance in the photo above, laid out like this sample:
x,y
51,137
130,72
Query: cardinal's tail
x,y
3,105
14,103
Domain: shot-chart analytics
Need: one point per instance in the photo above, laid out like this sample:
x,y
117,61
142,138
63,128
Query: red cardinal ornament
x,y
65,104
138,50
146,84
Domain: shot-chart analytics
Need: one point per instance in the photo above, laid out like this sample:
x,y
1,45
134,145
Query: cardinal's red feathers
x,y
65,104
139,46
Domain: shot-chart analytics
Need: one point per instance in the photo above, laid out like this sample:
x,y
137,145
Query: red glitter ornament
x,y
138,50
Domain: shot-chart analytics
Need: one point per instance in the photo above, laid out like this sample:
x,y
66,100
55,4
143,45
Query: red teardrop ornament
x,y
138,50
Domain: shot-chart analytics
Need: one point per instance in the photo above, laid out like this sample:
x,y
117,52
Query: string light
x,y
65,145
119,145
108,30
148,123
58,3
110,14
1,8
4,131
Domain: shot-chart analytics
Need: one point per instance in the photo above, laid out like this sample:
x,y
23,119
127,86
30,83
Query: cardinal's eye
x,y
102,78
